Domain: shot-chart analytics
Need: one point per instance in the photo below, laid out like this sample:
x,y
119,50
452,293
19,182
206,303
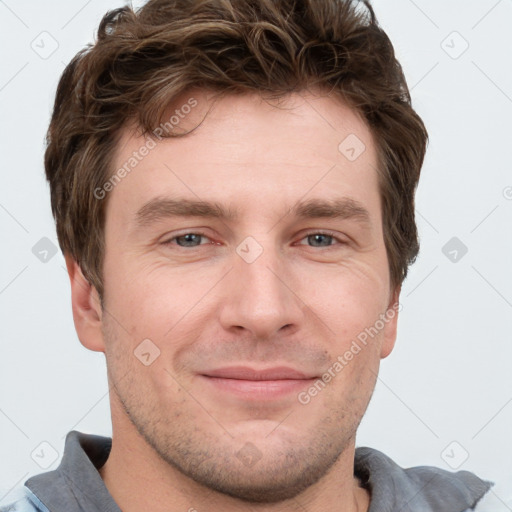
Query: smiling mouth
x,y
251,384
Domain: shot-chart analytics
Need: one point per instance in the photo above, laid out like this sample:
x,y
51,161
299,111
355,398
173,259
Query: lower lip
x,y
259,389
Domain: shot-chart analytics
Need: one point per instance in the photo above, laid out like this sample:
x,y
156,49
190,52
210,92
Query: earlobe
x,y
391,322
87,311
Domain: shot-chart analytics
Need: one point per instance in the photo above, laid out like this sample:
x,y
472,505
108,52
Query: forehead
x,y
245,151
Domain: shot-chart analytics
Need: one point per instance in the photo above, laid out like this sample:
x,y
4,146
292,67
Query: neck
x,y
139,480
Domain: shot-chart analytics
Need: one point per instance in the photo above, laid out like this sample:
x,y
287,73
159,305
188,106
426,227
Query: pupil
x,y
189,239
318,238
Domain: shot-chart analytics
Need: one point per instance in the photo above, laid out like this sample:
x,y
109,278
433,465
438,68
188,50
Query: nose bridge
x,y
260,298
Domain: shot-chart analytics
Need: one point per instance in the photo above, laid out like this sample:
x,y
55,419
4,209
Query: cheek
x,y
151,299
348,298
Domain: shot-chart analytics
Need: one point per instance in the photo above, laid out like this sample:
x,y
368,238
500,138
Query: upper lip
x,y
246,373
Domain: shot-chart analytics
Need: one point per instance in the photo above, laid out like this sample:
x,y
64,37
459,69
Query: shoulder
x,y
23,500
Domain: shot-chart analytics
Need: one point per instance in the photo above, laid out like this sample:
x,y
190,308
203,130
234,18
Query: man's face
x,y
277,282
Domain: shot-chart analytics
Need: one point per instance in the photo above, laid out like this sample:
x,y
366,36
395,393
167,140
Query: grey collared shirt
x,y
76,485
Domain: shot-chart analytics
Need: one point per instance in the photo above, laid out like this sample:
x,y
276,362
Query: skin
x,y
300,304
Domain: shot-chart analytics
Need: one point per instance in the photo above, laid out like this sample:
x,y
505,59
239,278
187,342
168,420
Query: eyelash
x,y
325,233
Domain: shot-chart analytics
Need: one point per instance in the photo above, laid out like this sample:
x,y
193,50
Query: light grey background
x,y
444,396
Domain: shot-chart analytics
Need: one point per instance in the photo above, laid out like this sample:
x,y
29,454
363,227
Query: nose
x,y
261,297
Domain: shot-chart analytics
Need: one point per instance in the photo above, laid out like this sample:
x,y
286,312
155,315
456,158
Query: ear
x,y
87,312
391,321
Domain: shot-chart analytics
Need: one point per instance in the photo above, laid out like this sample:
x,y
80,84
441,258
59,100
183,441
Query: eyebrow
x,y
344,208
161,208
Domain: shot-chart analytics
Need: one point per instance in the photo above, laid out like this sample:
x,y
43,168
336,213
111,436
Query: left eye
x,y
322,239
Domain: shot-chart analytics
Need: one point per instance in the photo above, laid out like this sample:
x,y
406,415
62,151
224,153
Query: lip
x,y
247,373
257,385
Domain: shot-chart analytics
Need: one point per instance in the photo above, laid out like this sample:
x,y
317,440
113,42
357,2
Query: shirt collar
x,y
76,484
422,488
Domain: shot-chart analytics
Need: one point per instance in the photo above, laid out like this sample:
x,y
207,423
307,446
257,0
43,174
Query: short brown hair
x,y
144,59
